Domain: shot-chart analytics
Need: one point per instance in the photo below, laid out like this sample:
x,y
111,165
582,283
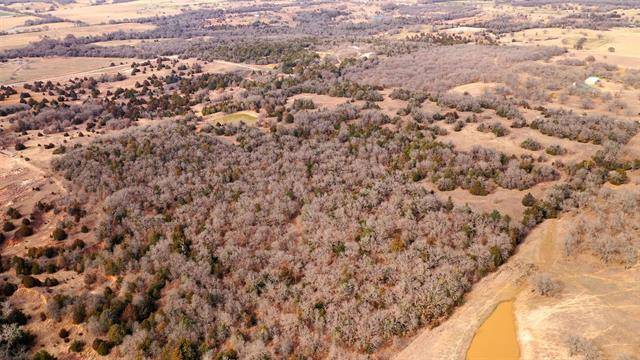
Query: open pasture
x,y
18,40
30,69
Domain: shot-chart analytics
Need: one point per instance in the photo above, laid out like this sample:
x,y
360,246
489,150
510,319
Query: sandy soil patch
x,y
220,66
476,88
391,106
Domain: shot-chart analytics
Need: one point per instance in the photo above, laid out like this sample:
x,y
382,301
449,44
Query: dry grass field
x,y
98,14
10,20
30,69
59,31
475,89
623,40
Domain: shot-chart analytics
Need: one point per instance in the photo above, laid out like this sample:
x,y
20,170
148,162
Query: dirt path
x,y
124,68
548,251
21,162
244,66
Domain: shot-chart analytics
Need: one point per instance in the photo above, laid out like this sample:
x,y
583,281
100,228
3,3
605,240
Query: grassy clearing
x,y
30,69
248,117
12,21
131,42
238,117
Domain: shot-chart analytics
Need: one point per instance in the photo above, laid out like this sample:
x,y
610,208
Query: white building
x,y
592,81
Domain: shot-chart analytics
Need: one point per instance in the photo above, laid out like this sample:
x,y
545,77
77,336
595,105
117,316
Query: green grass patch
x,y
238,117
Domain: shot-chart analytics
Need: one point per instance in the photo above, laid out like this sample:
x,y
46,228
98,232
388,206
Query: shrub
x,y
288,118
77,346
77,244
7,289
230,354
24,231
116,333
60,150
59,234
19,147
43,355
35,269
50,268
18,341
8,226
583,347
555,150
544,285
478,189
84,229
303,104
79,313
29,281
618,177
15,316
13,213
102,347
397,245
498,130
186,350
48,282
528,200
531,144
63,333
606,235
21,266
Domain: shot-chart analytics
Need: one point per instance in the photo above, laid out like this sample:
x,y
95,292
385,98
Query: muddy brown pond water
x,y
496,339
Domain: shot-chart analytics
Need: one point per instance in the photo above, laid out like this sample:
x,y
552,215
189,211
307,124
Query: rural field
x,y
297,179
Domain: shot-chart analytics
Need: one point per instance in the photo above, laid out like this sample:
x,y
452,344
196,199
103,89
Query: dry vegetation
x,y
260,180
